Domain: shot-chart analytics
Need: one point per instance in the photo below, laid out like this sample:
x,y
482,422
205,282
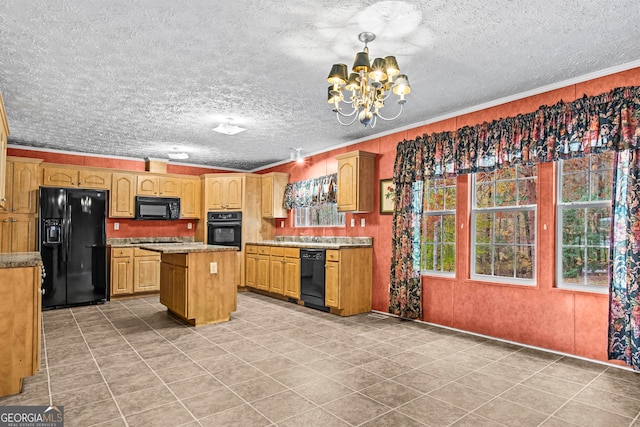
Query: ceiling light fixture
x,y
174,154
228,129
297,155
370,86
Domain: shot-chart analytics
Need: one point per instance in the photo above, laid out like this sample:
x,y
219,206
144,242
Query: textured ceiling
x,y
140,78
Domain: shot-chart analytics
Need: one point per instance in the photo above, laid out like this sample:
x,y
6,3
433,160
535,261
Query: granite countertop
x,y
126,242
317,242
185,248
20,259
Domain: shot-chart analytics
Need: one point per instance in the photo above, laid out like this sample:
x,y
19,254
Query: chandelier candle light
x,y
370,86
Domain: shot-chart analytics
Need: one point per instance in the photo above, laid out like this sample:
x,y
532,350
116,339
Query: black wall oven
x,y
224,228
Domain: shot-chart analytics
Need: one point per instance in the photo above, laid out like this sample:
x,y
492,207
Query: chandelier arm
x,y
346,115
394,117
338,114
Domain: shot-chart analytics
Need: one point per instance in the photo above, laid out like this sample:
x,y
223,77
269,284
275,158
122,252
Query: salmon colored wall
x,y
127,227
572,322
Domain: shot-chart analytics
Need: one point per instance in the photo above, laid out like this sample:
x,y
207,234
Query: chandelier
x,y
370,86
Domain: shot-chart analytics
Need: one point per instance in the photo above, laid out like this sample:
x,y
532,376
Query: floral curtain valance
x,y
311,192
608,121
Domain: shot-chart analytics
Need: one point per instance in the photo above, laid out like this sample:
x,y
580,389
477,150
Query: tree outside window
x,y
504,224
439,227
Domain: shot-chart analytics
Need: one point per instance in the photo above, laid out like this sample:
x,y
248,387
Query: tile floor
x,y
279,364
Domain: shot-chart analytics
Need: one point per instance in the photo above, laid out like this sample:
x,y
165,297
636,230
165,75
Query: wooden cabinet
x,y
356,181
76,177
4,133
134,270
190,198
20,323
224,193
272,195
192,292
348,280
161,186
122,195
21,186
273,268
18,233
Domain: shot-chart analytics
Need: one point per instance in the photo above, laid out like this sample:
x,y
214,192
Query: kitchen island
x,y
197,281
20,318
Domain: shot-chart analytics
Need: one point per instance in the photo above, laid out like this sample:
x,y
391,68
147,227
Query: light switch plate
x,y
213,267
353,222
362,222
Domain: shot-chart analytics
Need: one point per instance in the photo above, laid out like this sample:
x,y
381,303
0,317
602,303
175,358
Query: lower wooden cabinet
x,y
348,279
173,292
275,269
20,324
134,270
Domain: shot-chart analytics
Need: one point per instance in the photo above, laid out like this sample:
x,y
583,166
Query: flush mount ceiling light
x,y
176,155
297,155
370,86
228,129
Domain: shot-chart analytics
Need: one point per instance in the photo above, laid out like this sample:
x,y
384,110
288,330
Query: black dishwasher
x,y
312,263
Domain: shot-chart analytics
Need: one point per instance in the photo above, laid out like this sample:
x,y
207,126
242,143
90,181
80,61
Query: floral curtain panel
x,y
311,192
608,121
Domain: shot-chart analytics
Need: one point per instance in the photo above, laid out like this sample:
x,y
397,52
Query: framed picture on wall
x,y
387,193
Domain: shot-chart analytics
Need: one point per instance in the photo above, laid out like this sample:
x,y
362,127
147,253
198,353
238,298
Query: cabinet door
x,y
147,185
3,165
215,193
169,186
121,276
99,180
23,233
348,184
262,280
5,234
332,284
24,188
166,285
122,196
276,275
233,193
179,291
251,271
267,197
147,274
190,198
292,277
55,176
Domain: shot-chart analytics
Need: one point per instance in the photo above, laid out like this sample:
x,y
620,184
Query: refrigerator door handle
x,y
67,226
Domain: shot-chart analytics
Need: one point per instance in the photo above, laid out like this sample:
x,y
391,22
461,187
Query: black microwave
x,y
157,207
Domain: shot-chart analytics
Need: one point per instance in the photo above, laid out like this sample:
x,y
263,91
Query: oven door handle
x,y
224,224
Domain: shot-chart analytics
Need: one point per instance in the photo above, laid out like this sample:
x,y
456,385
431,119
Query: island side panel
x,y
212,296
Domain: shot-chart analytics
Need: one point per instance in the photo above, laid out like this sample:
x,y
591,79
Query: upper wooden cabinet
x,y
190,198
272,201
223,193
21,186
356,181
162,186
70,176
4,133
122,195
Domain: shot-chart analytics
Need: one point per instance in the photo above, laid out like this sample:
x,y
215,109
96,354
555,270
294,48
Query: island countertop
x,y
185,248
20,259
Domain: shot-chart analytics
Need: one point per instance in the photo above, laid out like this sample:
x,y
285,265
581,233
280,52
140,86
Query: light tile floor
x,y
279,364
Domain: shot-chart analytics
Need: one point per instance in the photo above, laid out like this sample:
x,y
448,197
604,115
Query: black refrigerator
x,y
72,242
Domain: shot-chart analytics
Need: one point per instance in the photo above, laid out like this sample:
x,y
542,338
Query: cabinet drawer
x,y
333,255
277,251
144,252
292,252
121,252
176,259
250,249
264,250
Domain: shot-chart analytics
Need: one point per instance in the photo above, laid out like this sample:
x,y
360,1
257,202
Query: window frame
x,y
338,213
439,213
474,210
560,207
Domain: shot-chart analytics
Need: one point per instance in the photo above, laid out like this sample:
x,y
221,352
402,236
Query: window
x,y
503,221
324,215
584,222
439,227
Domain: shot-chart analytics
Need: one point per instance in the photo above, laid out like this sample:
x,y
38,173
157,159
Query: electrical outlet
x,y
282,224
189,226
116,226
353,222
213,267
362,222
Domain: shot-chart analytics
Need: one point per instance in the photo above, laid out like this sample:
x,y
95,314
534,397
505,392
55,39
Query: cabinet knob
x,y
79,183
5,220
14,220
4,199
